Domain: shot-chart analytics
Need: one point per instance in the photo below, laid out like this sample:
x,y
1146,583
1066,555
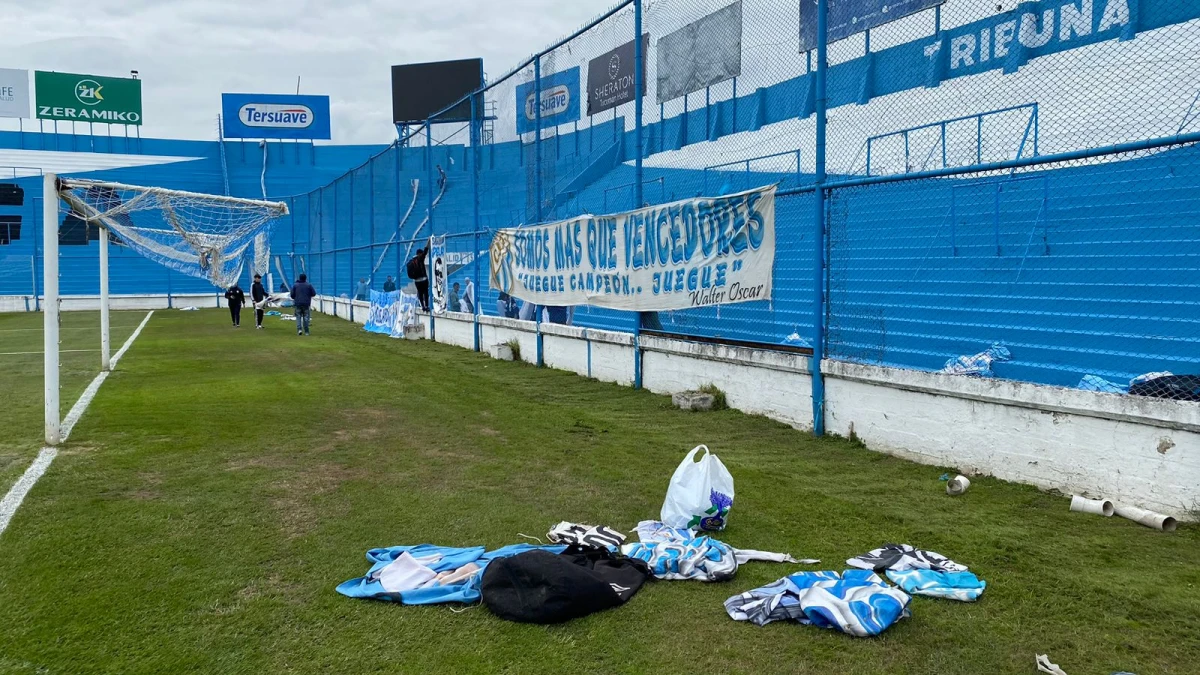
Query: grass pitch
x,y
223,482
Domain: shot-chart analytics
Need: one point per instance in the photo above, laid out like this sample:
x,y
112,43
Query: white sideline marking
x,y
8,506
85,399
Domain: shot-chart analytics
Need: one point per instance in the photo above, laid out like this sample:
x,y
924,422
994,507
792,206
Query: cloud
x,y
190,51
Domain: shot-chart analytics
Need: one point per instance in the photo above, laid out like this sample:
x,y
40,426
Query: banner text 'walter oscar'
x,y
691,253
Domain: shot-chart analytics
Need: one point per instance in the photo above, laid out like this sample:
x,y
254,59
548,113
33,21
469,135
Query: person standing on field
x,y
236,299
259,295
303,294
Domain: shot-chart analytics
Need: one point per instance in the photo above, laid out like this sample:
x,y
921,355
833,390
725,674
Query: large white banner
x,y
14,93
690,253
437,254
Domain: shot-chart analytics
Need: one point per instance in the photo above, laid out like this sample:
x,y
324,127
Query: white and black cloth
x,y
901,557
598,536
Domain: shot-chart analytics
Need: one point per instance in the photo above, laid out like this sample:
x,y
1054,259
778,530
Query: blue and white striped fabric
x,y
856,602
702,558
961,586
979,365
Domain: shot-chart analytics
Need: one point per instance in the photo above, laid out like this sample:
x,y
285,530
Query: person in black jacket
x,y
416,272
236,299
303,294
259,294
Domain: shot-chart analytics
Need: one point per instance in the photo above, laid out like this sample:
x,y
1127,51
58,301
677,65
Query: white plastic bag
x,y
700,494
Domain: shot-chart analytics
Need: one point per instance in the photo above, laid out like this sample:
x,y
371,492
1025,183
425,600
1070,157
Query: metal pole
x,y
537,181
476,135
979,139
429,199
37,307
105,335
638,200
818,341
943,145
50,307
1036,122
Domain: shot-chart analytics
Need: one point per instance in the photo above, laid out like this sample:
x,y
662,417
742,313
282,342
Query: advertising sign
x,y
560,101
691,253
847,17
611,77
14,93
421,90
87,98
701,54
275,116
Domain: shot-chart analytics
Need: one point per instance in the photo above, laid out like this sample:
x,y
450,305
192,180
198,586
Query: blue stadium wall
x,y
1074,269
1078,270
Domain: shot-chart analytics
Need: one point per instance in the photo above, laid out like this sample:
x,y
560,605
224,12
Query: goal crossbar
x,y
280,208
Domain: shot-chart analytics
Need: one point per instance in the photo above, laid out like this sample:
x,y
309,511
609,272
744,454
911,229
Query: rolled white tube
x,y
1100,507
957,485
1148,518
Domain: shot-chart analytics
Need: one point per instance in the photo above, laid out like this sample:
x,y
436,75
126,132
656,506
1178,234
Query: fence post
x,y
353,283
537,183
429,201
475,137
638,200
818,342
335,247
37,306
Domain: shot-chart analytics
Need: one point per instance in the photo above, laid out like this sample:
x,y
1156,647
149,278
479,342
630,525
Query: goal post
x,y
201,235
50,305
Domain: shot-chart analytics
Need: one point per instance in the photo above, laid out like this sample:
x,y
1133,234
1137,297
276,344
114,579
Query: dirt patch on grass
x,y
297,493
263,462
364,424
488,431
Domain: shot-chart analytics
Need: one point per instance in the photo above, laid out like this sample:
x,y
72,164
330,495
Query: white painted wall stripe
x,y
12,500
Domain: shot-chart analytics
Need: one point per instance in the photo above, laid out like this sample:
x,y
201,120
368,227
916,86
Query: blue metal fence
x,y
1066,228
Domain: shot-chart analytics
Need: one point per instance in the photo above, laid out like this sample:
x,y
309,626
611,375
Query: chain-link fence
x,y
1012,183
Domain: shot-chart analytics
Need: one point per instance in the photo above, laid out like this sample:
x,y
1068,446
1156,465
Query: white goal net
x,y
205,236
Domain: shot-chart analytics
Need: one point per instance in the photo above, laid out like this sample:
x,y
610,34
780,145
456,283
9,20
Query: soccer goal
x,y
202,235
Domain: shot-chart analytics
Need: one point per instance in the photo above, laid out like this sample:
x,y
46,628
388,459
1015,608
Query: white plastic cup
x,y
957,485
1100,507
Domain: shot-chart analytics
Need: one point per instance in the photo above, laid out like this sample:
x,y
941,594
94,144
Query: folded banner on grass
x,y
690,253
385,307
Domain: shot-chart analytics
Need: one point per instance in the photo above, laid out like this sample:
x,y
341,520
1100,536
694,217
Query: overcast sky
x,y
190,51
